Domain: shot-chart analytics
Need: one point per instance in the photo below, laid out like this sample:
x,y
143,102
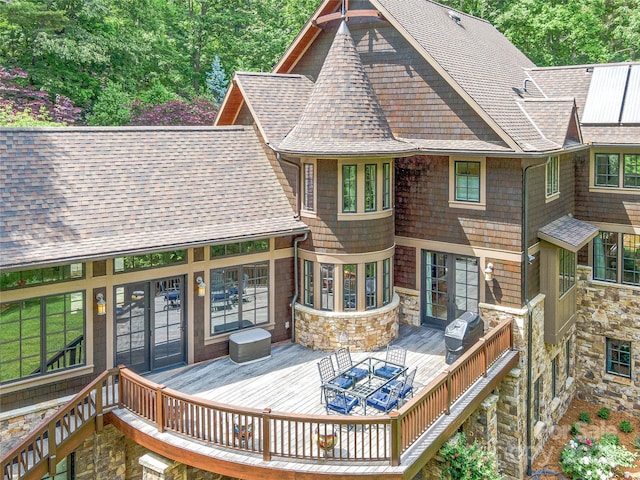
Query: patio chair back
x,y
385,401
345,365
325,367
338,401
396,355
404,385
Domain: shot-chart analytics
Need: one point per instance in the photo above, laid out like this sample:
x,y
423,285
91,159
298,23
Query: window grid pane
x,y
553,167
619,357
386,281
607,169
605,257
308,283
631,259
350,287
326,277
370,187
631,176
349,188
467,181
371,282
567,270
308,187
41,276
386,186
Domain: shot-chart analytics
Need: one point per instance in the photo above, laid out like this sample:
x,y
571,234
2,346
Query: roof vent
x,y
454,16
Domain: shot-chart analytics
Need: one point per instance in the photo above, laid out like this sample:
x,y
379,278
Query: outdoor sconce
x,y
102,305
201,286
488,272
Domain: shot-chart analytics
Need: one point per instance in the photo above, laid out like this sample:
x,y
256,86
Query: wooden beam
x,y
350,14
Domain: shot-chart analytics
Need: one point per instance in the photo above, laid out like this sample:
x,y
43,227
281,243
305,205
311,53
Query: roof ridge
x,y
270,74
126,128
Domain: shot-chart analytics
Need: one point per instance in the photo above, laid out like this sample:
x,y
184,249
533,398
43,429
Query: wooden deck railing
x,y
272,434
59,435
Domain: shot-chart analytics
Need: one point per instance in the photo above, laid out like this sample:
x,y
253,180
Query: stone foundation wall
x,y
361,331
17,424
409,311
606,310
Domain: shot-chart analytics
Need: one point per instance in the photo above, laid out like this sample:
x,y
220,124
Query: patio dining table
x,y
369,385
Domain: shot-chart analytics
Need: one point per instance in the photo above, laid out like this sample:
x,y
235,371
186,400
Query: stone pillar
x,y
155,467
511,434
482,425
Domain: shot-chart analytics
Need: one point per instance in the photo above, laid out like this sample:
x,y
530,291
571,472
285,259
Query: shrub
x,y
586,459
604,413
609,439
468,461
636,442
625,426
584,417
575,429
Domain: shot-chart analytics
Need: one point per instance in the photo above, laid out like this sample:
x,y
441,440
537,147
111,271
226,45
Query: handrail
x,y
272,434
38,454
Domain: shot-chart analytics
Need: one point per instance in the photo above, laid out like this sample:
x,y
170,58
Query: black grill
x,y
460,334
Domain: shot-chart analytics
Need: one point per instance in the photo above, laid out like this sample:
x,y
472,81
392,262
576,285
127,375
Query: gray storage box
x,y
250,346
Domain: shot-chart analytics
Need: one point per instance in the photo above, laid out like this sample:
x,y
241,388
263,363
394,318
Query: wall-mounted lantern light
x,y
201,286
101,304
488,272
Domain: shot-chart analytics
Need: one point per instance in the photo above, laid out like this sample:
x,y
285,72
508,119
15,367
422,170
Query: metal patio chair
x,y
329,377
345,365
385,402
397,356
404,385
338,401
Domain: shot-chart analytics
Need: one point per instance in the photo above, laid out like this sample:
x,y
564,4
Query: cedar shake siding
x,y
422,204
283,287
405,269
416,100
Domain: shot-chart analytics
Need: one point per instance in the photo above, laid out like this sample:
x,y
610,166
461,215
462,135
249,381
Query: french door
x,y
449,287
149,324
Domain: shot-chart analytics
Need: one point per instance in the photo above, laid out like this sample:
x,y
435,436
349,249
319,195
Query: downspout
x,y
295,280
525,295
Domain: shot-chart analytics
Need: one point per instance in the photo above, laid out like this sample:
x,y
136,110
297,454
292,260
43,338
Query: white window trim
x,y
453,203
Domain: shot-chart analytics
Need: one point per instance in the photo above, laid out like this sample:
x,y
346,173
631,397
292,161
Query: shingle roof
x,y
551,116
343,115
276,100
575,81
478,58
426,145
77,193
568,232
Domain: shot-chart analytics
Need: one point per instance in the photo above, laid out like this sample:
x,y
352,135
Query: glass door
x,y
149,326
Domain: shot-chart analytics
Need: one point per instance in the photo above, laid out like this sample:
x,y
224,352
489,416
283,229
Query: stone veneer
x,y
361,331
607,310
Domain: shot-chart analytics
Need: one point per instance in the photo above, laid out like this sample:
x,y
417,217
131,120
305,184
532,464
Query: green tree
x,y
217,81
112,107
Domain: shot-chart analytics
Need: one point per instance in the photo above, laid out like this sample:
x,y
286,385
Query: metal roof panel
x,y
631,107
606,93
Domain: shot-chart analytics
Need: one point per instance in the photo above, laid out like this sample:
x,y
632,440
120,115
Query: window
x,y
567,270
370,188
240,248
386,281
609,174
567,358
371,282
536,400
326,276
349,180
149,260
450,287
65,469
308,283
553,174
350,287
554,377
239,297
619,357
308,187
41,276
467,181
42,335
386,186
616,258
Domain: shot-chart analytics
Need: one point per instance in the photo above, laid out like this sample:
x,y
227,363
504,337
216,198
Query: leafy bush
x,y
604,413
468,461
636,442
575,429
625,426
584,417
609,439
586,459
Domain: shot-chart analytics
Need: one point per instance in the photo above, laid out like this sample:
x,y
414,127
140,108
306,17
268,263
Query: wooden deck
x,y
289,380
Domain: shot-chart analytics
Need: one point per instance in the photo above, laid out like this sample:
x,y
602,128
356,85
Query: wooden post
x,y
99,419
51,453
485,360
160,411
396,438
447,371
120,386
266,435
